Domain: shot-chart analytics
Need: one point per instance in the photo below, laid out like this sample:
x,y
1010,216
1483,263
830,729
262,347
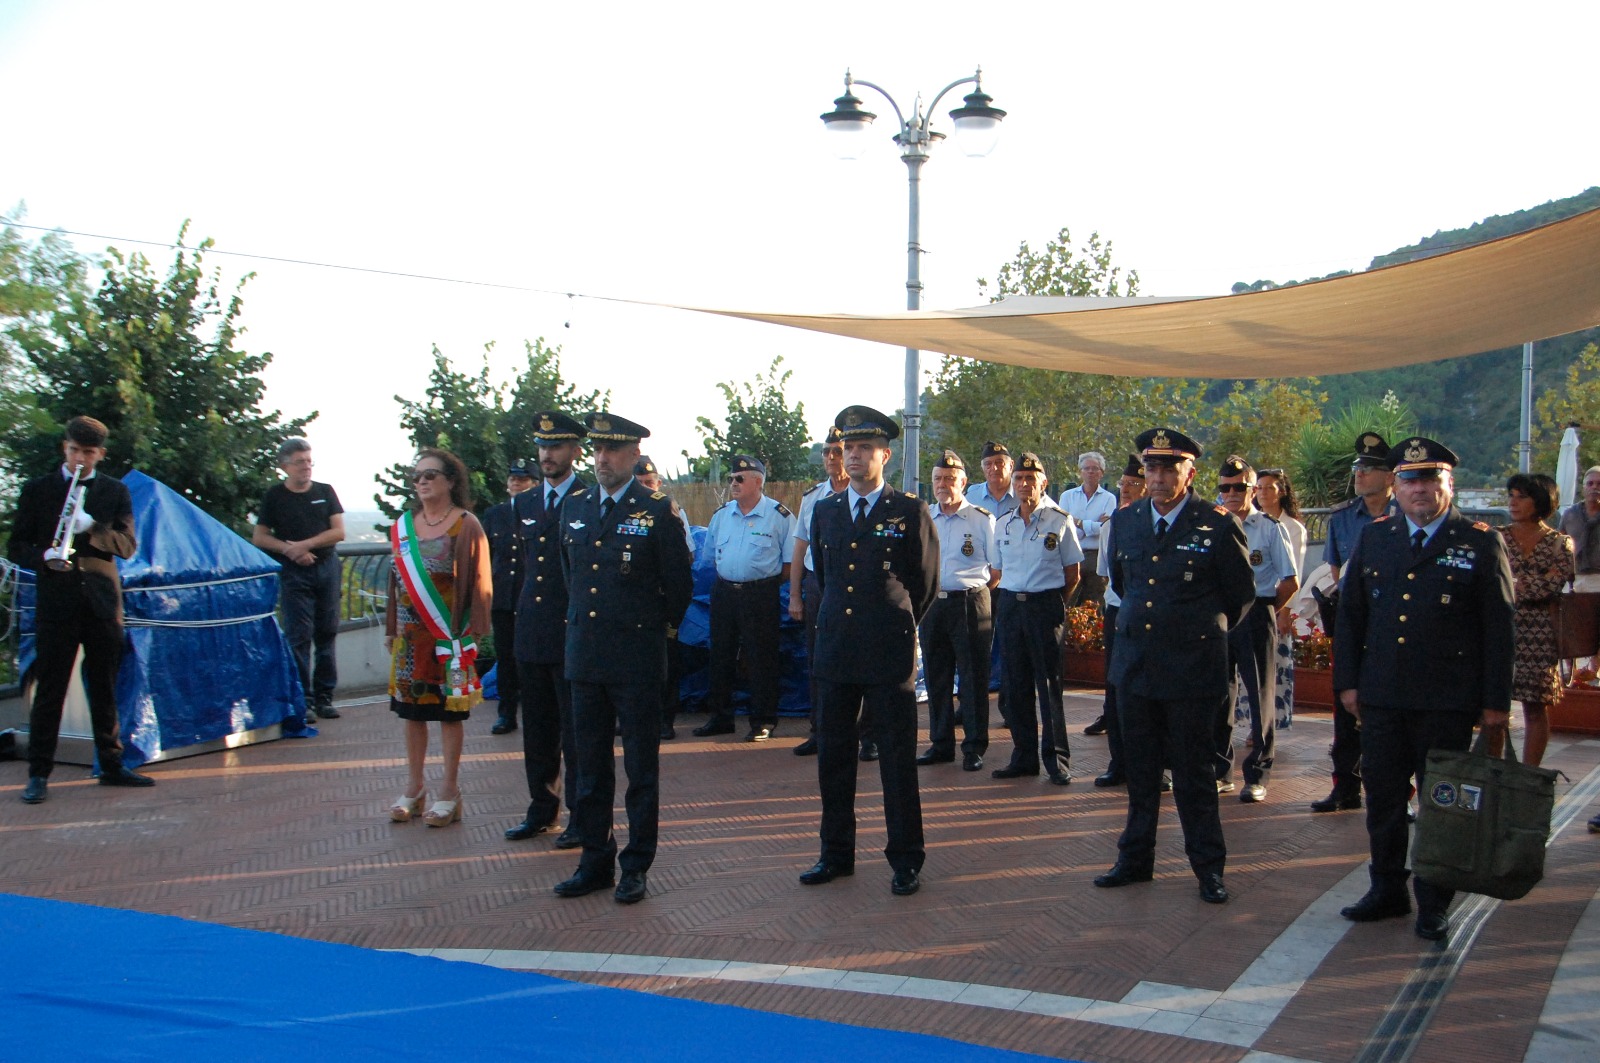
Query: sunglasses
x,y
833,452
1231,489
429,475
737,479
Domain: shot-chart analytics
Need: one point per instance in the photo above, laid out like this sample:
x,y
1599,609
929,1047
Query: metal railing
x,y
364,589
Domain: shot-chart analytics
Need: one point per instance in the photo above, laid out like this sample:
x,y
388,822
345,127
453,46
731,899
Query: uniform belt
x,y
748,584
962,592
1023,596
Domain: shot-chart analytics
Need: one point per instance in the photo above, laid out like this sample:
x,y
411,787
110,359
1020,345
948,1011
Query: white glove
x,y
81,521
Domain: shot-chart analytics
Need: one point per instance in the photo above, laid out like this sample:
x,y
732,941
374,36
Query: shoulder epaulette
x,y
783,510
811,489
909,494
1346,504
985,512
1222,510
1480,525
1269,516
657,495
1380,518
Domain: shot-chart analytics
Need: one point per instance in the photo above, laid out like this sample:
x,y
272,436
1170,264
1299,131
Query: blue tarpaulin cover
x,y
204,656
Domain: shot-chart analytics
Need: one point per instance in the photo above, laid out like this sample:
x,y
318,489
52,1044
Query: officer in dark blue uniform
x,y
628,580
877,559
505,559
1183,573
1422,649
541,631
1374,488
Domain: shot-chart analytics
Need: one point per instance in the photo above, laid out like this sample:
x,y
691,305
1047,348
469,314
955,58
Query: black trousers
x,y
57,645
888,713
597,709
545,697
1109,710
1254,645
1180,734
1030,646
811,601
509,677
1396,744
957,634
1346,748
310,598
744,618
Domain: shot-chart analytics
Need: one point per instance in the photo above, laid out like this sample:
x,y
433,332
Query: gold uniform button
x,y
595,567
538,579
594,590
1411,575
592,614
852,568
537,599
1405,597
1152,583
597,542
849,612
852,546
541,559
849,590
1147,627
541,538
1155,557
1402,618
1401,640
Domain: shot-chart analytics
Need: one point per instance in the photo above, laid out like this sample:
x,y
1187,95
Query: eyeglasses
x,y
1230,489
1358,467
833,452
429,475
738,479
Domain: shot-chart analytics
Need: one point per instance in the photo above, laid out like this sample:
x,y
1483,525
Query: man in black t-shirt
x,y
299,523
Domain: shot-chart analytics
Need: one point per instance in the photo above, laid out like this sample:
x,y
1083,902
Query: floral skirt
x,y
1283,695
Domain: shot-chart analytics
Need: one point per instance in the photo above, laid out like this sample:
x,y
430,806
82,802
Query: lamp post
x,y
977,126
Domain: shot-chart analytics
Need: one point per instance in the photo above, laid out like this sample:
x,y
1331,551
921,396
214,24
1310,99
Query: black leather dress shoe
x,y
1212,891
1337,802
1061,778
585,882
37,791
930,757
1110,778
1375,906
1253,793
631,889
1011,771
668,732
1432,926
568,839
525,830
973,762
869,752
1096,728
503,726
1123,873
1166,784
714,726
759,734
125,777
906,882
826,871
808,748
328,712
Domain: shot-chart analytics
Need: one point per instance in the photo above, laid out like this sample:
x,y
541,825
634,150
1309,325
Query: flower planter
x,y
1578,712
1084,668
1313,689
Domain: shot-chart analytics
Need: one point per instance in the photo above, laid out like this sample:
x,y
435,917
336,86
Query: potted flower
x,y
1313,667
1083,647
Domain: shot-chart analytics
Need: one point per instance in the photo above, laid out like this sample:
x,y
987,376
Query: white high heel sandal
x,y
405,809
442,813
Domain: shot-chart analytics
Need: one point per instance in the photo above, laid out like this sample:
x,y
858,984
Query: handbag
x,y
1577,624
1483,823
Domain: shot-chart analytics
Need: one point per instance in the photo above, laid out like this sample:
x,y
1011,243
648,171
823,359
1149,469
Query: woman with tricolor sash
x,y
440,591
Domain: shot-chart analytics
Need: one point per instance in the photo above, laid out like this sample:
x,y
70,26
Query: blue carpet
x,y
85,983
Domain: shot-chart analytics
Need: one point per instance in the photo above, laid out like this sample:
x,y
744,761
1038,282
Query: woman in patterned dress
x,y
455,556
1541,562
1275,496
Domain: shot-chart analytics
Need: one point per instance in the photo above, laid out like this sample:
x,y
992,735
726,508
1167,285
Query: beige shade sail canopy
x,y
1536,284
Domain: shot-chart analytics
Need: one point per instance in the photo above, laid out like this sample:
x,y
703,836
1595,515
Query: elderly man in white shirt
x,y
1089,505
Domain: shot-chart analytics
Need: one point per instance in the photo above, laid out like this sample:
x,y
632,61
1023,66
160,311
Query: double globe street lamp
x,y
977,127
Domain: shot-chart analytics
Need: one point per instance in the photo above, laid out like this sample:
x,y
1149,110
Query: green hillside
x,y
1473,403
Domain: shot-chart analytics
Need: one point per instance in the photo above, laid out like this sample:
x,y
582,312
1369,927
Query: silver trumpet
x,y
59,557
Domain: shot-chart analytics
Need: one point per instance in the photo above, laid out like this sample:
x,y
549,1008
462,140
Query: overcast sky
x,y
673,154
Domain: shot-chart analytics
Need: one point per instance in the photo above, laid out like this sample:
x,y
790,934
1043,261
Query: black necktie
x,y
1416,542
1161,528
551,502
861,512
605,508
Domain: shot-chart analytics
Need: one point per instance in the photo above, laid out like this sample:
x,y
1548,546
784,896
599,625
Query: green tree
x,y
760,423
1262,421
1577,401
1320,466
484,423
156,359
1057,415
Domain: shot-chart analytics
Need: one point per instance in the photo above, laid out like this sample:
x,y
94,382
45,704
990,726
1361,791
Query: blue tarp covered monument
x,y
204,657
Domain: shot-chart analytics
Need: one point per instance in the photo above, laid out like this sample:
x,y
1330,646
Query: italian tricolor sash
x,y
458,651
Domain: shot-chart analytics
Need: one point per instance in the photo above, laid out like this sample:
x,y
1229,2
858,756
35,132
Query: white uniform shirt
x,y
1034,553
1270,557
966,546
754,545
1002,507
1089,512
808,503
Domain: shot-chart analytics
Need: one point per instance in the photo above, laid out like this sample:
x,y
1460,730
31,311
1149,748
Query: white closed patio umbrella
x,y
1567,466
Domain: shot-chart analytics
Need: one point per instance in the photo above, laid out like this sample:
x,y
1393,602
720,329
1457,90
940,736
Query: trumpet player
x,y
73,549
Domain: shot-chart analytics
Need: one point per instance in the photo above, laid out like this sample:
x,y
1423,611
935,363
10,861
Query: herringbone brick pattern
x,y
293,837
